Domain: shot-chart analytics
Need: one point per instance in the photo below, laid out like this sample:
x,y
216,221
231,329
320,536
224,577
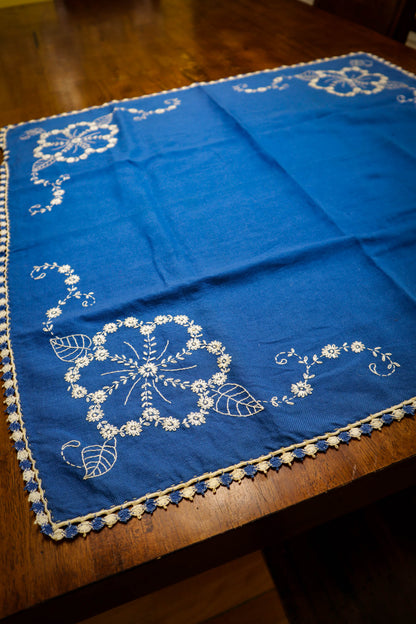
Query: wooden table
x,y
71,54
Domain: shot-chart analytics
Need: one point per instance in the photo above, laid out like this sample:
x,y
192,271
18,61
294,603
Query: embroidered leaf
x,y
28,134
69,348
308,75
360,63
99,459
104,120
391,84
42,163
234,400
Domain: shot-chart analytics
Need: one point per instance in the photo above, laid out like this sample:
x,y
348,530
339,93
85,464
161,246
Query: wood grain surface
x,y
70,54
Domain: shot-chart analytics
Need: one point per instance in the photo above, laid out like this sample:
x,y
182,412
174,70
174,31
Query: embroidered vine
x,y
302,388
276,84
353,79
39,272
405,100
142,365
77,142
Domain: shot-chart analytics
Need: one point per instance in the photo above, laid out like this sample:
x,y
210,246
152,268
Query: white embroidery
x,y
275,84
143,375
348,81
77,142
75,341
97,459
146,378
301,389
330,351
404,100
142,114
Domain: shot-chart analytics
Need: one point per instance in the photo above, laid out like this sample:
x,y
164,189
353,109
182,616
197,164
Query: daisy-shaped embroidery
x,y
301,389
76,142
331,351
348,81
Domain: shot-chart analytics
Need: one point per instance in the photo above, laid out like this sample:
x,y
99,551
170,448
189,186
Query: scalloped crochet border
x,y
196,486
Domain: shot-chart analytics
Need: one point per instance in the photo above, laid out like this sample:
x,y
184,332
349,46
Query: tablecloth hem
x,y
148,503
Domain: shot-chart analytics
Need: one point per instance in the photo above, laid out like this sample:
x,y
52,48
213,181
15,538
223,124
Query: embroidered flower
x,y
78,391
205,402
147,329
76,142
194,330
132,428
301,389
193,344
95,413
110,328
107,431
82,361
97,397
224,361
199,386
218,379
181,319
99,339
65,268
131,321
72,375
214,347
72,279
148,370
348,81
331,351
101,354
161,319
170,424
357,347
196,418
53,312
150,414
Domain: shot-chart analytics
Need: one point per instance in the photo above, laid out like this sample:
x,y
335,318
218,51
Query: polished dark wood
x,y
394,18
359,569
240,592
71,54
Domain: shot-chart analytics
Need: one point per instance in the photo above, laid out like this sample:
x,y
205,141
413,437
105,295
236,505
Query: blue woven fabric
x,y
199,279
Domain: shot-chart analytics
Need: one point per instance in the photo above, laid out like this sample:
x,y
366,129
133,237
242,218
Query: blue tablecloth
x,y
203,284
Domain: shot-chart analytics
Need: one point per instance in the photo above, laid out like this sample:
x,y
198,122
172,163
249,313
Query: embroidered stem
x,y
302,389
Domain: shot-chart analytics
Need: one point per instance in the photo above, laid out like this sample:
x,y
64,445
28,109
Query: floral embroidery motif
x,y
77,142
275,84
348,81
151,379
140,114
63,347
303,388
